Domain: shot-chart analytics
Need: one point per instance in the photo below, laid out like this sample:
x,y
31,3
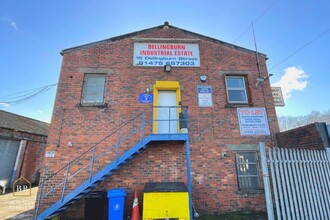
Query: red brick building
x,y
204,102
22,145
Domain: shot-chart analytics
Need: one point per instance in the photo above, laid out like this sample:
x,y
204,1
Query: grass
x,y
234,216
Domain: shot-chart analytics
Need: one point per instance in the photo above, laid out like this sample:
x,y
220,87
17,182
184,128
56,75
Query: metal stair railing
x,y
55,186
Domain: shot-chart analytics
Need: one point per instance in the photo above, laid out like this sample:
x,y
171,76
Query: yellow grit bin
x,y
166,200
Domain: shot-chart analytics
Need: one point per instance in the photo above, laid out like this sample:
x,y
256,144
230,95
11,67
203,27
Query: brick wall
x,y
214,177
312,136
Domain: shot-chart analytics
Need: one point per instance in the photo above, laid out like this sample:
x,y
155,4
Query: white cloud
x,y
293,79
3,104
11,23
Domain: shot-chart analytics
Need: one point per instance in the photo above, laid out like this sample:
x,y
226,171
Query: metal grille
x,y
248,170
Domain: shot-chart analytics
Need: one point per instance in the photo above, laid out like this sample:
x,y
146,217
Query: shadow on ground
x,y
27,215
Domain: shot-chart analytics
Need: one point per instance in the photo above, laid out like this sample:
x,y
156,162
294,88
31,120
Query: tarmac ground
x,y
18,206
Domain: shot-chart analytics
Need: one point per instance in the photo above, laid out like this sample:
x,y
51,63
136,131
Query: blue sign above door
x,y
146,98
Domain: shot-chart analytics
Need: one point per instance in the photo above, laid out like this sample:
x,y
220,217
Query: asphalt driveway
x,y
15,207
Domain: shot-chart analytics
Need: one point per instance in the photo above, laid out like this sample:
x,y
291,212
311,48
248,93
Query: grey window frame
x,y
244,88
86,87
245,181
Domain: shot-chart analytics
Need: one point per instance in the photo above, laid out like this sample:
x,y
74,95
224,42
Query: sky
x,y
295,35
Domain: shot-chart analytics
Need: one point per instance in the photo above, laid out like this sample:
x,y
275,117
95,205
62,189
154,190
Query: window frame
x,y
83,100
257,174
245,89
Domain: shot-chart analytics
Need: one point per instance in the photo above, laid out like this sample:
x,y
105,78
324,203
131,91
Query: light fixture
x,y
167,68
259,80
262,79
203,78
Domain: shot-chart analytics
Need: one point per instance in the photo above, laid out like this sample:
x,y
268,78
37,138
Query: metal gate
x,y
300,181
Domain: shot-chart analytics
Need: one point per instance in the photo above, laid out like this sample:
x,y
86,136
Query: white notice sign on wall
x,y
204,96
50,154
277,95
253,121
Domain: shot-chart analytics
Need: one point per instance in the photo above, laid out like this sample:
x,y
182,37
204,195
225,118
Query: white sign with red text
x,y
161,54
253,121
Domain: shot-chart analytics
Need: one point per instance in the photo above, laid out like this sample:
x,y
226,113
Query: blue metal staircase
x,y
60,190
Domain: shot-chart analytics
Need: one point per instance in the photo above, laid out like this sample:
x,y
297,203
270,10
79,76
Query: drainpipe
x,y
16,162
23,159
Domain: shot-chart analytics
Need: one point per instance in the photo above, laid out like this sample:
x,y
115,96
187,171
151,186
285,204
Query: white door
x,y
167,112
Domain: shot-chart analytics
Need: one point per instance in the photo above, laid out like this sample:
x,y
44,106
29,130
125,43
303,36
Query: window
x,y
93,91
248,170
236,89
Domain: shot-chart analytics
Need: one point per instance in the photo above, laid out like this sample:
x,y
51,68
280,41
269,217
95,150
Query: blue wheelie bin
x,y
116,198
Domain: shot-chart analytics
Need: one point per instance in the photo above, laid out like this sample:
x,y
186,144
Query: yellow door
x,y
166,107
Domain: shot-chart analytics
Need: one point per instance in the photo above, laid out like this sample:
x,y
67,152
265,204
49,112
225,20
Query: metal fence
x,y
301,183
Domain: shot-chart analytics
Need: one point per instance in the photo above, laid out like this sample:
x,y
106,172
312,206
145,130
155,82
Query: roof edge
x,y
220,41
41,123
72,49
25,131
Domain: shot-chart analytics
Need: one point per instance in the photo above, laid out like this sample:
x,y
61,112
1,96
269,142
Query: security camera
x,y
225,154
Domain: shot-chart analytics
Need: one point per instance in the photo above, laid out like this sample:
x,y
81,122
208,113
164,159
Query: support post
x,y
268,195
189,178
41,187
328,151
92,164
65,181
118,143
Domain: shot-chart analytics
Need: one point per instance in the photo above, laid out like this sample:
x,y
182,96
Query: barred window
x,y
248,173
94,88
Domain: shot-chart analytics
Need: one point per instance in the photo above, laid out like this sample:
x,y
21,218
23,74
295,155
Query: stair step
x,y
89,185
116,168
61,209
108,174
58,211
100,180
71,202
87,190
78,197
53,215
96,183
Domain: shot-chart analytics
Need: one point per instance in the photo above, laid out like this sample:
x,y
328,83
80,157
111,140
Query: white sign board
x,y
277,95
50,153
204,96
161,54
253,121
